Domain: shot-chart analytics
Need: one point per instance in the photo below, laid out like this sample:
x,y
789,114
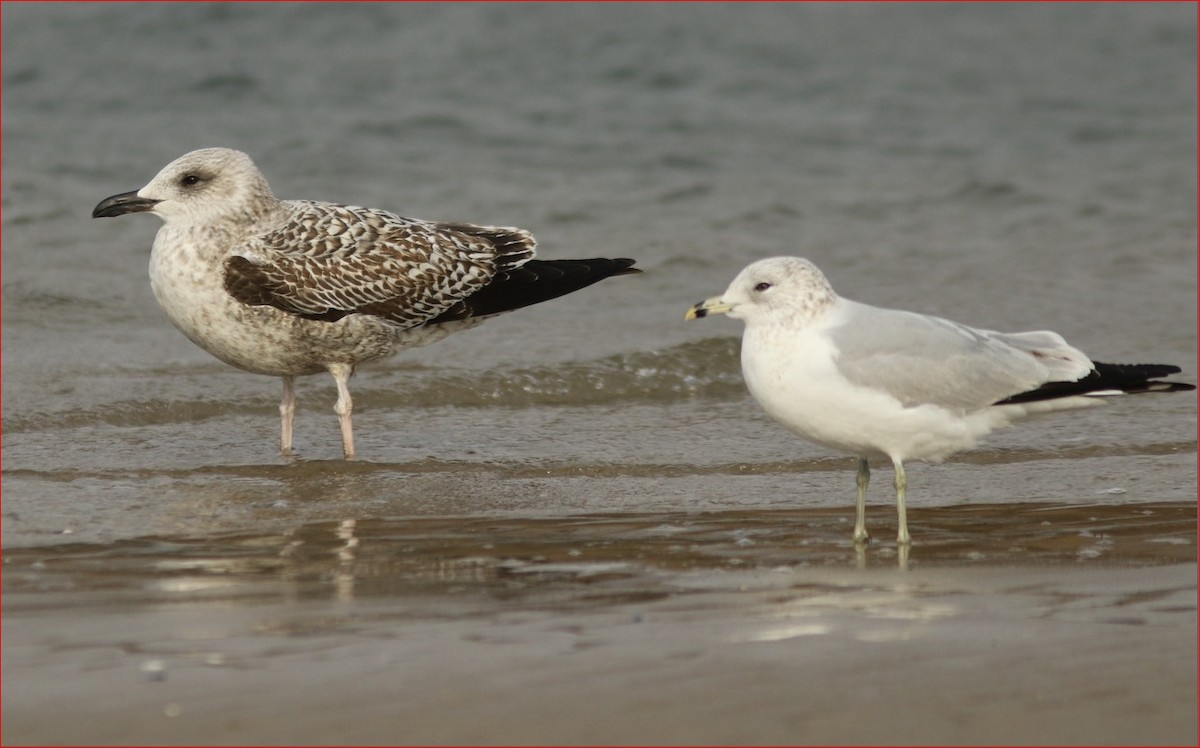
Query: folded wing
x,y
330,261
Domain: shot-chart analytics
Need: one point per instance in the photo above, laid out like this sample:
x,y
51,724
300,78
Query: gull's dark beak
x,y
119,205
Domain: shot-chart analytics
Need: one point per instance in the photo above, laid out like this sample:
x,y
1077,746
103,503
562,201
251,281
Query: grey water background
x,y
1011,166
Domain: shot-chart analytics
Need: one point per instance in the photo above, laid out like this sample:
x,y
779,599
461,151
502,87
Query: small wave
x,y
998,193
149,412
231,84
706,368
703,369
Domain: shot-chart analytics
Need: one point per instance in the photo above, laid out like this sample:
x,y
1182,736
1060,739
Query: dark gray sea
x,y
1010,166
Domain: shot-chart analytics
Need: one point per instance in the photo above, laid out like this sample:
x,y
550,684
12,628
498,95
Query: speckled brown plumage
x,y
330,261
293,287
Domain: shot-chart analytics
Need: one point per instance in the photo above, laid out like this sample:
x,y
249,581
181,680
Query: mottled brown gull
x,y
886,383
295,287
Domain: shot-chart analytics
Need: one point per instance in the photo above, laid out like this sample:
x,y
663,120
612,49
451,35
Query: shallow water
x,y
1064,624
358,559
1013,167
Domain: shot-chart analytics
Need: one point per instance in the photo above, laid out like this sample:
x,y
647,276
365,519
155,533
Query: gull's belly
x,y
801,387
259,339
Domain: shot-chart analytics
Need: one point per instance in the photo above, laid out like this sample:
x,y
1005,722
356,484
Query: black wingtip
x,y
1131,379
537,281
623,266
1157,386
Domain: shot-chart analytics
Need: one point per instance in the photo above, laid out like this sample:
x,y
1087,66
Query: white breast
x,y
794,377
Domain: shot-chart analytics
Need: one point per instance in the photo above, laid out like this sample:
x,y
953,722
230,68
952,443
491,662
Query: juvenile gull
x,y
295,287
885,383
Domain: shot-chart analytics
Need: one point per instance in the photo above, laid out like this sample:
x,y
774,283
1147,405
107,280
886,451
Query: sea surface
x,y
1010,166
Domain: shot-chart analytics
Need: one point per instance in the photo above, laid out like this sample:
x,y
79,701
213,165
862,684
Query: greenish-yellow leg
x,y
902,537
860,511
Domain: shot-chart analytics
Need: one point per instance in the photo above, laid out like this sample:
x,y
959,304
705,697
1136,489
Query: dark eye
x,y
190,180
762,287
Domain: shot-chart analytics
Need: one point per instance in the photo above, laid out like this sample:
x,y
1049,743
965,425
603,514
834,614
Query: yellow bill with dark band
x,y
715,305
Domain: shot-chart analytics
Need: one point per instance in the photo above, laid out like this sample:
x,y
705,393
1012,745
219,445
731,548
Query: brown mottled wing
x,y
329,261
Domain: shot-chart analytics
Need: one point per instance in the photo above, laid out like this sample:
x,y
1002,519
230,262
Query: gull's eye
x,y
762,287
190,180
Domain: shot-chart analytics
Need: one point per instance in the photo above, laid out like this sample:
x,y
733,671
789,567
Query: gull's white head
x,y
209,186
778,289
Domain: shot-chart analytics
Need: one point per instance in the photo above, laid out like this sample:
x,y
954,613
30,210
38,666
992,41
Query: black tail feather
x,y
1127,378
534,282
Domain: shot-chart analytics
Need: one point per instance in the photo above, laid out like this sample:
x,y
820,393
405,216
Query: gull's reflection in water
x,y
299,564
902,551
313,482
344,576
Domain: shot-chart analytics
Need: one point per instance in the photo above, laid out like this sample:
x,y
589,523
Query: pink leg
x,y
287,415
344,406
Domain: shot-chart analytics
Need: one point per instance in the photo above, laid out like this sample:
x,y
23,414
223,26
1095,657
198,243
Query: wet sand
x,y
1006,624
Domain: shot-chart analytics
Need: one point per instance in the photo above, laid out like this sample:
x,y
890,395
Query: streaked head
x,y
209,185
777,288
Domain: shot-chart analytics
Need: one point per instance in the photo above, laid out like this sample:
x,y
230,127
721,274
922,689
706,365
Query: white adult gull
x,y
295,287
886,383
